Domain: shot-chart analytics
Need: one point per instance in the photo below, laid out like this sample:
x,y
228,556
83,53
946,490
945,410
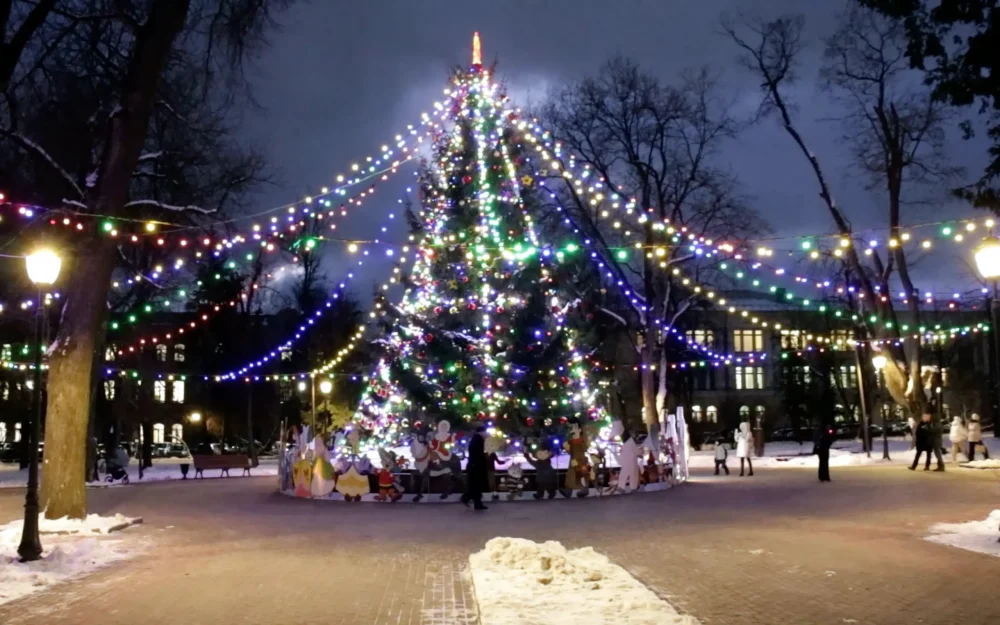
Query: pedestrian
x,y
911,427
938,436
721,453
744,446
476,470
824,440
976,438
958,435
924,438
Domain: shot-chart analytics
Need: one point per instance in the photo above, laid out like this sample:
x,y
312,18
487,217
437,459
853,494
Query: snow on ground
x,y
992,463
77,548
521,582
979,536
162,470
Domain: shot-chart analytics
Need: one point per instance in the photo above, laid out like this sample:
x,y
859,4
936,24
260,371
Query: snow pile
x,y
992,463
521,582
68,554
979,536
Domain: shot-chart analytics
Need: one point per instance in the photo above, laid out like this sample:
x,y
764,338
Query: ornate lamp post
x,y
43,269
879,361
987,257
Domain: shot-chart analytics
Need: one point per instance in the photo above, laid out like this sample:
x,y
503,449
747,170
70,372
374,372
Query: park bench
x,y
223,463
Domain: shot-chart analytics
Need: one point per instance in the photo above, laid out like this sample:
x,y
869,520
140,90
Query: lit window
x,y
286,353
178,391
3,432
176,432
109,353
5,387
109,389
161,352
179,352
749,378
160,390
793,339
696,414
701,337
158,430
6,352
840,339
748,340
848,376
17,432
712,414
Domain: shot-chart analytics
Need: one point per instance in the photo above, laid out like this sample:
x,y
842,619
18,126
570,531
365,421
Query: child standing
x,y
721,453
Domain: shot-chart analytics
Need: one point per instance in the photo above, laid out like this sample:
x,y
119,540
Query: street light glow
x,y
987,257
325,387
195,417
878,361
43,266
302,387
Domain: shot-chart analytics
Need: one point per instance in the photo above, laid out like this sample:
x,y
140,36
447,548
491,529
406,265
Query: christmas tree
x,y
490,327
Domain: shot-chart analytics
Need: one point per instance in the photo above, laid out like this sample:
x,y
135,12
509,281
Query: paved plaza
x,y
775,549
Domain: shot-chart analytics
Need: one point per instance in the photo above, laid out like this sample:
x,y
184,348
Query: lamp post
x,y
43,269
879,362
987,257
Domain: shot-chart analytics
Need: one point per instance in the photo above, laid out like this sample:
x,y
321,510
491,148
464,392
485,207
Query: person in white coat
x,y
744,446
976,438
958,435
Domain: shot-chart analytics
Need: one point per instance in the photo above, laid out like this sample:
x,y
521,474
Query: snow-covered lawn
x,y
71,548
162,469
521,582
843,454
979,536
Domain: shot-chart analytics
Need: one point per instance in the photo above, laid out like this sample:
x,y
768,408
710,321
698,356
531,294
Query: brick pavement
x,y
777,549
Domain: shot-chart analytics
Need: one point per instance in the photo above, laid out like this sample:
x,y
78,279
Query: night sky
x,y
343,78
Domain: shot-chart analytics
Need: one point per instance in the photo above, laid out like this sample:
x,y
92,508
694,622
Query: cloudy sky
x,y
342,78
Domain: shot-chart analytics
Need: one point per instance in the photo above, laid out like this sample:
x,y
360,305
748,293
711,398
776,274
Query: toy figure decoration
x,y
514,482
578,472
421,454
545,475
322,470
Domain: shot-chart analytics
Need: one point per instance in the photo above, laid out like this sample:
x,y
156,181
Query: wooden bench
x,y
223,463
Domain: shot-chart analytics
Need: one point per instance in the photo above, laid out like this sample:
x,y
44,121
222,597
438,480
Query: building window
x,y
109,353
701,337
749,378
696,414
179,352
109,389
5,389
712,414
161,352
178,391
841,339
748,340
7,352
793,339
848,376
158,430
3,432
286,353
176,432
160,390
17,432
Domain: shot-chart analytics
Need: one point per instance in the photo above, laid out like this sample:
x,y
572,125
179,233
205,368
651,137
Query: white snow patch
x,y
979,536
81,548
521,582
992,463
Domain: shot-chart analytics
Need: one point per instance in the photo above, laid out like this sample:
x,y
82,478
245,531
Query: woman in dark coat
x,y
823,443
476,470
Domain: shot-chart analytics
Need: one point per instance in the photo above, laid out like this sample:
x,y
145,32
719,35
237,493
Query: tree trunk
x,y
71,364
251,447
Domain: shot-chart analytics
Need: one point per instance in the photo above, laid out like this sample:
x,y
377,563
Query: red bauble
x,y
564,380
499,310
466,179
421,355
530,421
563,420
437,310
481,416
556,309
472,306
428,337
465,279
472,348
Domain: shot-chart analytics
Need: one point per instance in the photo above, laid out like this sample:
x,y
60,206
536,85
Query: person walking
x,y
957,436
476,470
924,440
721,454
744,446
823,443
938,442
976,438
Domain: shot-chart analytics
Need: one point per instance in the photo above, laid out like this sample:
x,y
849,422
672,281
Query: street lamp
x,y
987,257
194,417
325,387
879,361
43,269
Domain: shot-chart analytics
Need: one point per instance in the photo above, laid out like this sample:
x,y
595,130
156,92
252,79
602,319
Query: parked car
x,y
10,452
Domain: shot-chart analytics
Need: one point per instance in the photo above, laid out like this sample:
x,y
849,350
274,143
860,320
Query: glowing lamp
x,y
988,258
302,386
879,361
194,417
325,387
43,266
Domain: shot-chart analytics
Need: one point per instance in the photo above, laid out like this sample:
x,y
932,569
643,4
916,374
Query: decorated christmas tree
x,y
492,328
